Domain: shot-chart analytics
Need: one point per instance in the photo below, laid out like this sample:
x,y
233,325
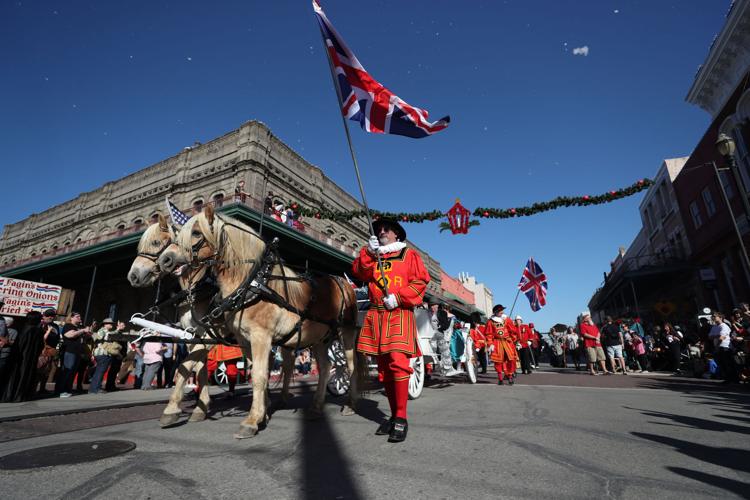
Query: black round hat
x,y
397,228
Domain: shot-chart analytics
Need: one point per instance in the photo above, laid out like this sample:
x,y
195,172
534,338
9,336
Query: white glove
x,y
528,342
492,348
518,345
372,245
390,302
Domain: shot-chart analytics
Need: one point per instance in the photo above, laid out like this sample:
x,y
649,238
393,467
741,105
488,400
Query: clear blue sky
x,y
92,91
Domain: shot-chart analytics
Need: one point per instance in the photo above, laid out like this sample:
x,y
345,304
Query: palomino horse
x,y
143,273
266,303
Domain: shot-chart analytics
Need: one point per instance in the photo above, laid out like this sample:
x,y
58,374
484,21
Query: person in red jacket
x,y
592,343
501,338
476,332
536,345
524,345
389,332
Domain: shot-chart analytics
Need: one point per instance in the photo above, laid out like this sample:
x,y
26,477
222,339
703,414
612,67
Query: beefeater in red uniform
x,y
524,344
501,338
476,332
389,332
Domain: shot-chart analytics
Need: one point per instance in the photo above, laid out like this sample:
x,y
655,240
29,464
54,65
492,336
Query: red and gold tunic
x,y
477,335
503,337
391,331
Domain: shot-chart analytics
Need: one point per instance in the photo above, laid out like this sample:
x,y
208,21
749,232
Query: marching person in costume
x,y
476,332
501,339
389,332
524,345
229,355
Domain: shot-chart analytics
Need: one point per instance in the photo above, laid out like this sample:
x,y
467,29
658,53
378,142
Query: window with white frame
x,y
695,211
709,201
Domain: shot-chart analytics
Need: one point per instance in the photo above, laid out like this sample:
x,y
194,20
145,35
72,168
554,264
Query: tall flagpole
x,y
354,157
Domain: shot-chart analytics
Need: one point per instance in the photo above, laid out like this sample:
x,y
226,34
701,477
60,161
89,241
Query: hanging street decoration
x,y
458,218
458,215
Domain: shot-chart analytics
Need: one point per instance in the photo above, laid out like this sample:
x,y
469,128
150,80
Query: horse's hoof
x,y
197,416
168,419
245,432
348,411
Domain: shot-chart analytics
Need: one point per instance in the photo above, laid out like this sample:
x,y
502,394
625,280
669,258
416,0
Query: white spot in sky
x,y
189,58
617,11
581,51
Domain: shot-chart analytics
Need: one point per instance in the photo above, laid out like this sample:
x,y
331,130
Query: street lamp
x,y
726,147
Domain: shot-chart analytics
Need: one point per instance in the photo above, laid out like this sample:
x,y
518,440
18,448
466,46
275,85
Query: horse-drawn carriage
x,y
429,364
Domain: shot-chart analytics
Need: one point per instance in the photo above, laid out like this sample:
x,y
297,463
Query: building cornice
x,y
727,62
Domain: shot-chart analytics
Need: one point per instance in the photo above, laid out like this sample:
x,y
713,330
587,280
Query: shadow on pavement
x,y
731,485
694,422
327,472
731,458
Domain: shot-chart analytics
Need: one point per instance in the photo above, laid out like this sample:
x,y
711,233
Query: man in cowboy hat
x,y
389,332
501,338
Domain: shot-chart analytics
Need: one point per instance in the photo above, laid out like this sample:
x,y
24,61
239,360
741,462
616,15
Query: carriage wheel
x,y
416,379
338,383
471,363
220,375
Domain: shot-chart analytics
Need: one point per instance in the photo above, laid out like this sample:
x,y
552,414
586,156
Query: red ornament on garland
x,y
613,193
486,214
317,216
458,218
404,218
513,211
586,198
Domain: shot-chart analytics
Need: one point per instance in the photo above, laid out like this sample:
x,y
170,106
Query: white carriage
x,y
338,384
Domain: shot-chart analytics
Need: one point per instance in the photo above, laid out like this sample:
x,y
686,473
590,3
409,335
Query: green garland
x,y
482,212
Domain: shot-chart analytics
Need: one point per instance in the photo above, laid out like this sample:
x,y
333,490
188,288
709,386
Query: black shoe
x,y
511,380
499,381
398,433
385,428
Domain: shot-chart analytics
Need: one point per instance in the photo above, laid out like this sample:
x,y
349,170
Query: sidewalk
x,y
123,398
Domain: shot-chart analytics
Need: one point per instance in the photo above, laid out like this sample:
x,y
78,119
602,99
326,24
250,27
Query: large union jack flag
x,y
365,100
534,284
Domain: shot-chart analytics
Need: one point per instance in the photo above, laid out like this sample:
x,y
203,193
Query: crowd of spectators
x,y
716,346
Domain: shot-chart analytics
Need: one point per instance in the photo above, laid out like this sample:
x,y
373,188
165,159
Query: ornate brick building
x,y
88,243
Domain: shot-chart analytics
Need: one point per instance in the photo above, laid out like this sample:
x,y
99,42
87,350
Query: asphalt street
x,y
552,435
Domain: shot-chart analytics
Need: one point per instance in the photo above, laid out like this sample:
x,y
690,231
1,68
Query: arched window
x,y
343,238
121,226
218,199
155,217
198,206
67,243
54,247
138,222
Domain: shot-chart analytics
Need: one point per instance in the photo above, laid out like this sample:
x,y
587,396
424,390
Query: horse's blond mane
x,y
149,234
241,247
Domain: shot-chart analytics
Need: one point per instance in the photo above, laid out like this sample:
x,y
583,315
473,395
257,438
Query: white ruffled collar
x,y
391,247
497,319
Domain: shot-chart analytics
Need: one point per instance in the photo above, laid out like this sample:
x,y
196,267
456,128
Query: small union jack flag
x,y
365,100
534,285
178,217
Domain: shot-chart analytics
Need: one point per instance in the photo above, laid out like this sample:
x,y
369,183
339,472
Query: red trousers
x,y
394,371
506,367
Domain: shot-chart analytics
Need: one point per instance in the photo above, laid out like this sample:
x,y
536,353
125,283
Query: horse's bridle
x,y
154,256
